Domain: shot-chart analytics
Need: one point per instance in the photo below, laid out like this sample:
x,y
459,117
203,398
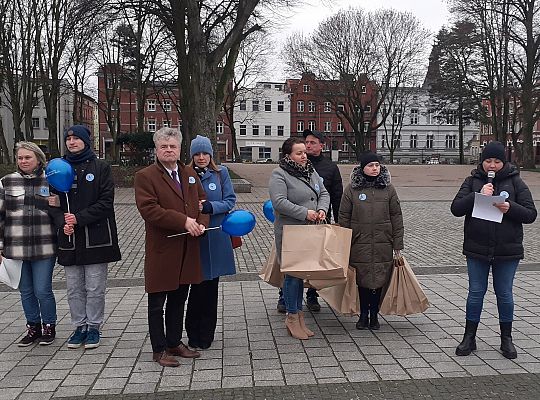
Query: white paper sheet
x,y
484,208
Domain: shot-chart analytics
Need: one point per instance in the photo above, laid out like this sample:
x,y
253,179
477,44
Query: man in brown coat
x,y
167,194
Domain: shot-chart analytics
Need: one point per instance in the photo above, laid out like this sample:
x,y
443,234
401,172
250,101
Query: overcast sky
x,y
433,14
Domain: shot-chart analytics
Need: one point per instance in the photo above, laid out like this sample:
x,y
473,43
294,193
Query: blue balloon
x,y
268,211
238,223
60,174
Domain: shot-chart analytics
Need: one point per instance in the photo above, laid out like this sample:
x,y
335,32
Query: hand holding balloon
x,y
70,219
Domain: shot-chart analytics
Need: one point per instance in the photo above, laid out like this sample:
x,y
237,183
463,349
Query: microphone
x,y
490,175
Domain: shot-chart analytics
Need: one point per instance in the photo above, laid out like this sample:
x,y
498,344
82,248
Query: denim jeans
x,y
86,294
293,290
37,297
503,281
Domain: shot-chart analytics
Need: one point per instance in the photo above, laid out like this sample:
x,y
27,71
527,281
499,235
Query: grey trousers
x,y
86,293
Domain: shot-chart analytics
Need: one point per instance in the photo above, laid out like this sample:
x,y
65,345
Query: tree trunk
x,y
4,153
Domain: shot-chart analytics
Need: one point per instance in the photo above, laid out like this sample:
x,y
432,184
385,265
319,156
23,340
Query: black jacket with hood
x,y
489,240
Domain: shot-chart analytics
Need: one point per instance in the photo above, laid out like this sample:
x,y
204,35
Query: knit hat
x,y
82,132
367,158
494,150
201,144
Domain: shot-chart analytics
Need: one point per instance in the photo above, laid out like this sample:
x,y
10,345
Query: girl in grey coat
x,y
298,198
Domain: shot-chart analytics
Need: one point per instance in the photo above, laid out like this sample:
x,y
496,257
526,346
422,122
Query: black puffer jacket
x,y
489,240
331,179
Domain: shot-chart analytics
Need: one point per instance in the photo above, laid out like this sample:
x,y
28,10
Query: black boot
x,y
507,347
363,321
33,333
374,299
49,333
468,344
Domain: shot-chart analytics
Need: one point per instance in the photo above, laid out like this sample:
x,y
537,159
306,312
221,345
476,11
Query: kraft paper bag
x,y
315,251
270,272
343,298
404,296
10,272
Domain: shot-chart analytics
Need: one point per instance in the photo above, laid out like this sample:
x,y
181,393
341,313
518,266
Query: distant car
x,y
433,161
264,160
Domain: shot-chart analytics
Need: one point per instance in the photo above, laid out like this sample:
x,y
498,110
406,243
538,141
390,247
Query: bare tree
x,y
364,57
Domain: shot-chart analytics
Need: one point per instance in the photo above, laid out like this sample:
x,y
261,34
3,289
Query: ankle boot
x,y
302,321
363,321
292,322
468,344
49,333
507,347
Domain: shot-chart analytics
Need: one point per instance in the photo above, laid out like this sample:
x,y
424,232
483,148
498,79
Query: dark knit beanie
x,y
367,158
82,132
494,150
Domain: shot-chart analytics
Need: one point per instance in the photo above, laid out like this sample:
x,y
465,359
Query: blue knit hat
x,y
81,131
201,144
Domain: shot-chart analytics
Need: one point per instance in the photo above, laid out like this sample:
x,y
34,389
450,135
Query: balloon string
x,y
185,233
69,212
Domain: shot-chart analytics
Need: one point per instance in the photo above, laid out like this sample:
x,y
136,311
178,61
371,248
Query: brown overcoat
x,y
169,262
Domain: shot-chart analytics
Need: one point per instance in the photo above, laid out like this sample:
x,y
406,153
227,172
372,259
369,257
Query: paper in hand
x,y
484,208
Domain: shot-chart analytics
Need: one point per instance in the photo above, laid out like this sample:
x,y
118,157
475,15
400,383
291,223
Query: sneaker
x,y
313,304
33,333
281,306
49,333
77,339
92,339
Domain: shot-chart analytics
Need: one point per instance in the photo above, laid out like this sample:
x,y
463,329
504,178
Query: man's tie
x,y
176,181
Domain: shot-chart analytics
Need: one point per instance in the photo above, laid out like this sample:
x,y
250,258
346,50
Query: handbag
x,y
10,272
316,252
236,241
404,295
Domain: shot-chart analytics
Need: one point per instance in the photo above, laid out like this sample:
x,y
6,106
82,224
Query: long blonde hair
x,y
212,165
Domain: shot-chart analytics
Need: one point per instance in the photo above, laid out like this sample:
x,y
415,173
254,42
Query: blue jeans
x,y
293,290
37,297
503,281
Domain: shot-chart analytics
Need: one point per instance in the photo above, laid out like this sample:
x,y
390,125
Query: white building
x,y
39,120
262,121
426,135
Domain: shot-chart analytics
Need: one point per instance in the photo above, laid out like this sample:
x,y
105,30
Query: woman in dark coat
x,y
489,244
370,207
217,256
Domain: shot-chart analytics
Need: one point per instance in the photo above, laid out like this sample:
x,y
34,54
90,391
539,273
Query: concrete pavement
x,y
253,357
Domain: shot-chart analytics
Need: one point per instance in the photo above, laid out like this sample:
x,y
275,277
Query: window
x,y
306,88
414,116
430,118
278,87
35,123
300,106
280,105
413,142
397,142
255,130
450,141
363,89
268,105
265,152
396,118
151,125
219,128
167,105
300,126
150,105
311,125
367,127
327,126
45,123
327,106
245,153
341,107
267,130
450,117
267,86
243,130
345,147
255,105
429,141
280,130
242,105
110,83
367,108
311,106
383,143
339,127
166,124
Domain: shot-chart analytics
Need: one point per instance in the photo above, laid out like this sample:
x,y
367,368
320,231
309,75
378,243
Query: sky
x,y
433,14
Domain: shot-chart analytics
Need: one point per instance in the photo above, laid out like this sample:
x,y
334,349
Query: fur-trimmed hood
x,y
359,181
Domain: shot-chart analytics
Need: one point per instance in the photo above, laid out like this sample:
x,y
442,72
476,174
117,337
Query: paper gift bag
x,y
315,251
324,283
343,298
404,296
270,272
10,272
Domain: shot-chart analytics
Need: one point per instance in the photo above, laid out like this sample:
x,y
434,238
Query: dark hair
x,y
286,149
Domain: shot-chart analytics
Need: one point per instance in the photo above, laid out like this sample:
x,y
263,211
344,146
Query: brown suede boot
x,y
308,331
292,322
